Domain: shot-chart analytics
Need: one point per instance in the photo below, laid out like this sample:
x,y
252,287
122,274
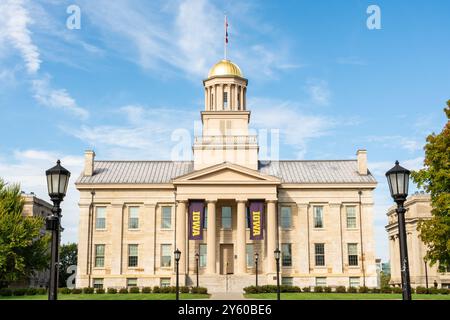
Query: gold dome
x,y
225,68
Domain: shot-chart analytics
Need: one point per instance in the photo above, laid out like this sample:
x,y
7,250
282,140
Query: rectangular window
x,y
226,217
133,218
352,254
100,218
286,255
98,283
99,255
131,282
166,255
319,250
354,282
225,100
166,217
164,282
287,281
318,216
286,217
202,255
321,281
132,255
249,255
205,219
351,217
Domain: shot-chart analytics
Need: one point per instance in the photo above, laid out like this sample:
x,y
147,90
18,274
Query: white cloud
x,y
396,141
14,28
319,92
185,35
144,134
56,98
27,167
296,127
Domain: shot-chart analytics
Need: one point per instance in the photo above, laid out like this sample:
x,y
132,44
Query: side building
x,y
418,207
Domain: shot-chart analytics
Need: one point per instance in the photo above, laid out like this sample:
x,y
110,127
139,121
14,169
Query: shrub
x,y
111,291
146,290
5,292
88,290
184,289
328,289
134,290
247,290
200,290
413,290
19,292
397,290
65,290
386,290
41,291
363,290
444,291
318,289
31,291
123,290
76,291
100,291
352,290
156,289
433,290
340,289
268,289
306,289
375,290
165,289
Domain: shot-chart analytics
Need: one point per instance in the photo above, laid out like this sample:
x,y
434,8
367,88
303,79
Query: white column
x,y
302,236
242,98
211,238
235,95
180,236
271,235
148,220
240,238
118,249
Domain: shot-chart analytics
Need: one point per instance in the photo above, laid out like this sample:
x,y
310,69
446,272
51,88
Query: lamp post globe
x,y
398,181
57,182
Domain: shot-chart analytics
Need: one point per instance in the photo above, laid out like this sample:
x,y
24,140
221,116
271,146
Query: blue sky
x,y
133,74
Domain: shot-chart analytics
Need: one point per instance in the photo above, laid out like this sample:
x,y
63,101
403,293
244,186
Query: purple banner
x,y
256,220
196,216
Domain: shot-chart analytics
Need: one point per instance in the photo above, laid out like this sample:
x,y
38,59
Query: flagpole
x,y
225,39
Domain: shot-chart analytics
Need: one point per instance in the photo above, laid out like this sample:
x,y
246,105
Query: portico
x,y
226,190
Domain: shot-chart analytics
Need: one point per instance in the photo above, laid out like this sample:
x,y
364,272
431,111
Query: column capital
x,y
241,201
211,201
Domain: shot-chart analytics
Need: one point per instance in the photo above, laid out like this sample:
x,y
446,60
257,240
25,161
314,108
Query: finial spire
x,y
226,38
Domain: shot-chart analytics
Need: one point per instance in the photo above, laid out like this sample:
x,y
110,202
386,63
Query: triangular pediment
x,y
226,173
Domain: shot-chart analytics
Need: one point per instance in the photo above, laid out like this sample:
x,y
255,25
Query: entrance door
x,y
226,259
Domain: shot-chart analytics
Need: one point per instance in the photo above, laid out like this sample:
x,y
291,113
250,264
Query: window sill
x,y
101,230
98,268
165,268
168,229
134,230
319,229
226,229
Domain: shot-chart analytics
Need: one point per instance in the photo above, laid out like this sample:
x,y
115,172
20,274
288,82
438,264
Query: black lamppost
x,y
426,272
398,180
197,259
256,267
277,258
57,181
177,260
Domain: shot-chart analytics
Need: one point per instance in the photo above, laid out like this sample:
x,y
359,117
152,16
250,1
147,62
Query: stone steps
x,y
225,283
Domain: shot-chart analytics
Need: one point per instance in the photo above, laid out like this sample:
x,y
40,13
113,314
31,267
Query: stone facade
x,y
319,213
418,207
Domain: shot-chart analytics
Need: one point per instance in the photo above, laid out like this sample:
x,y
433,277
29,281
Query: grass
x,y
345,296
118,296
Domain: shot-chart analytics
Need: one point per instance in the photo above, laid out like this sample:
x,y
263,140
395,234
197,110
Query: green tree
x,y
67,257
23,243
434,178
384,279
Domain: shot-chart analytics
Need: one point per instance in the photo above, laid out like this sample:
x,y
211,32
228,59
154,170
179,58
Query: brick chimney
x,y
89,156
362,161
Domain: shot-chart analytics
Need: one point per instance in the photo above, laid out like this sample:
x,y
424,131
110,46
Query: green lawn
x,y
345,296
118,296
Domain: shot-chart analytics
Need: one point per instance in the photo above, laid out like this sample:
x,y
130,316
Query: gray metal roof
x,y
147,172
315,171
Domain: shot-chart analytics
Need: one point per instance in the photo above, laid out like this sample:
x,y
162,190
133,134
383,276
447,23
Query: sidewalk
x,y
227,296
